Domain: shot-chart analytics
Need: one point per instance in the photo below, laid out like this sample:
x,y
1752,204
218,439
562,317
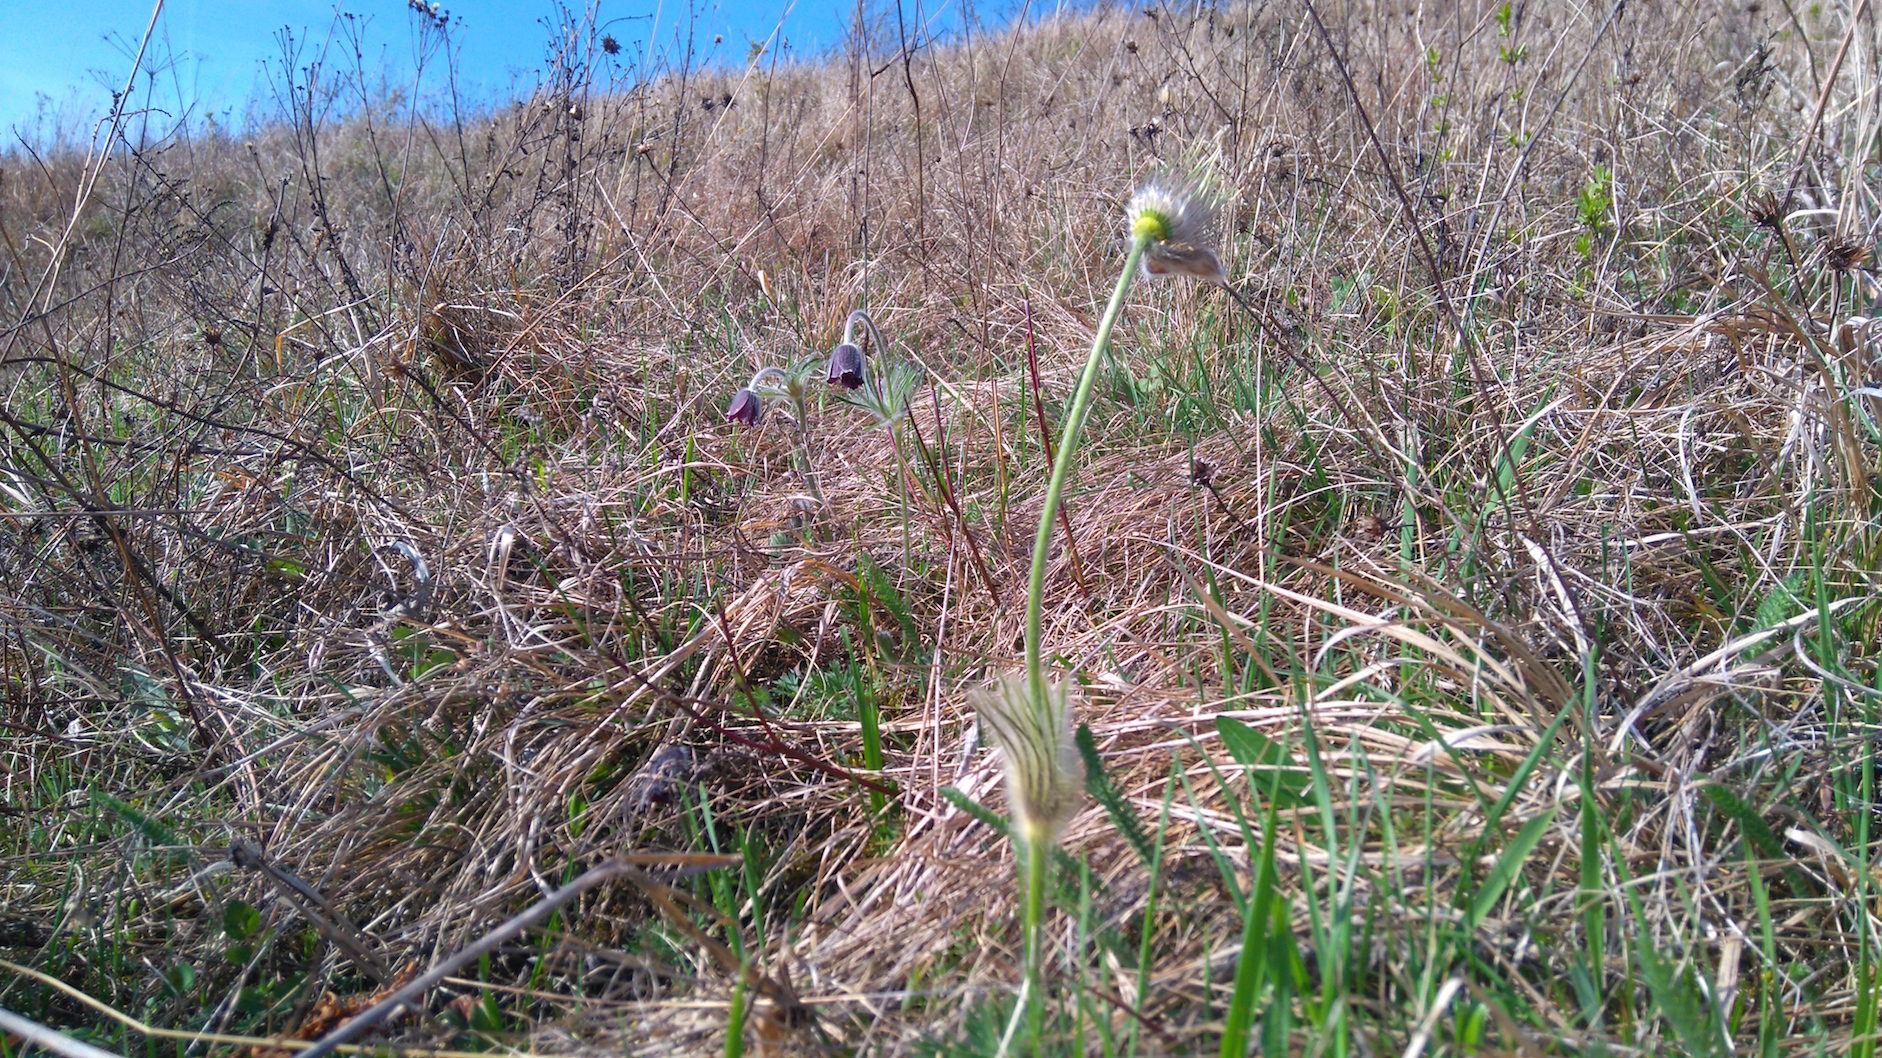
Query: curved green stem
x,y
767,374
868,321
1062,467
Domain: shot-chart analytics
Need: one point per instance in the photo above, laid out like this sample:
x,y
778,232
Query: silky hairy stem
x,y
1038,850
1062,465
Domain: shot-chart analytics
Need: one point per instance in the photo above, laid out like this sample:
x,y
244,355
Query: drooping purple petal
x,y
846,367
746,408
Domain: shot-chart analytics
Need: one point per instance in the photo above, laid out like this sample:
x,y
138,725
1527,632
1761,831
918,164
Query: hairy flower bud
x,y
1045,778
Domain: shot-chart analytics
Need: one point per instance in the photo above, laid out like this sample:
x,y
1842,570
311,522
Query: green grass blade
x,y
1265,760
735,1022
1520,777
1250,963
1509,865
1676,997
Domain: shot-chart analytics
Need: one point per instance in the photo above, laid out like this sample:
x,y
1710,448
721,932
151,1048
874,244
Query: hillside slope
x,y
1473,612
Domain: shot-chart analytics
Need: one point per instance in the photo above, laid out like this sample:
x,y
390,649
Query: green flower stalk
x,y
882,392
748,409
1172,233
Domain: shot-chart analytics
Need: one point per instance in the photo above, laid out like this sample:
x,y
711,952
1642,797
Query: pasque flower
x,y
1172,220
1045,779
1172,233
747,408
1045,782
781,384
1177,217
846,367
748,404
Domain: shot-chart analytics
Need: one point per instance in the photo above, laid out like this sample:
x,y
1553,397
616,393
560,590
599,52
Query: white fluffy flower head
x,y
1176,214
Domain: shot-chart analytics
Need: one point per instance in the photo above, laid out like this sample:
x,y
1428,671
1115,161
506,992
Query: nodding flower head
x,y
1045,779
846,367
747,408
1176,216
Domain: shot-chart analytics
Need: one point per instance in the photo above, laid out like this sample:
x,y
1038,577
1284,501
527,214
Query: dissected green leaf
x,y
981,813
240,921
1756,830
1106,793
1679,1001
1779,603
155,830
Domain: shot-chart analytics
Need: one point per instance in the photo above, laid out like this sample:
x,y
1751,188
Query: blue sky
x,y
61,54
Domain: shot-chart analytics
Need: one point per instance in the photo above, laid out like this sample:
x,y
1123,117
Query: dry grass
x,y
1621,512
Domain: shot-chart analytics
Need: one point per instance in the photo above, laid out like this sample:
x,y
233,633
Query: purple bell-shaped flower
x,y
846,367
746,407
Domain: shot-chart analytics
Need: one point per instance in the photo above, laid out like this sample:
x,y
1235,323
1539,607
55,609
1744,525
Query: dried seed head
x,y
1846,256
846,367
1045,779
746,408
1177,214
1766,211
